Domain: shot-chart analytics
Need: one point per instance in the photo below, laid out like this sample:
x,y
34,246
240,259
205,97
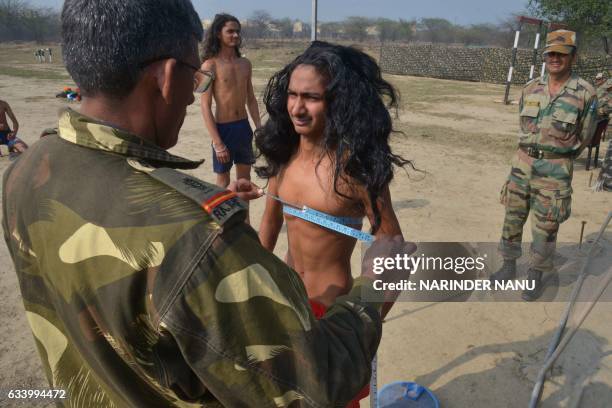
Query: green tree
x,y
332,30
20,21
591,18
478,34
437,30
387,29
406,29
284,26
355,28
257,24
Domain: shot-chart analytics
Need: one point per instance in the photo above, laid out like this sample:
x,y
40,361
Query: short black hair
x,y
105,42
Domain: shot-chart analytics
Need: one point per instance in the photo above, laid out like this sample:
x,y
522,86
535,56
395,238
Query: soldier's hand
x,y
386,249
245,189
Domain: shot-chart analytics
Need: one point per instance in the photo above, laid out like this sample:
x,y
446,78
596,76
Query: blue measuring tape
x,y
324,220
327,221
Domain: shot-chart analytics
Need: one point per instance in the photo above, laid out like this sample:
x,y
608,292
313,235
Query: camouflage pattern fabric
x,y
562,41
604,109
561,125
604,180
138,296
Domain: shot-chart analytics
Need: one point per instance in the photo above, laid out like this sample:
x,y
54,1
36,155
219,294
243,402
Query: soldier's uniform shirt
x,y
137,296
604,105
560,125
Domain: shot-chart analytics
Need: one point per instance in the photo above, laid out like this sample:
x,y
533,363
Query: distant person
x,y
604,180
232,91
16,146
6,133
50,54
324,151
557,120
603,86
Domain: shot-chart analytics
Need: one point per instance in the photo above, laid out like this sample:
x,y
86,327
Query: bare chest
x,y
231,75
303,185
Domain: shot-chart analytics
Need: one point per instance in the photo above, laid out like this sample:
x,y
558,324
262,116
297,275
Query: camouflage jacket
x,y
604,109
563,124
143,286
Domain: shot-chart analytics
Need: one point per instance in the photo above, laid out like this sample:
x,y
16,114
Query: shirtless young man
x,y
326,147
8,136
232,90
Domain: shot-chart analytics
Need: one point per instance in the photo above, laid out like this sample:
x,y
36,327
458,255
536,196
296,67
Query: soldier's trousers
x,y
542,187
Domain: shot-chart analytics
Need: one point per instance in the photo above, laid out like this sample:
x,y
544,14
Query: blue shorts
x,y
4,137
238,137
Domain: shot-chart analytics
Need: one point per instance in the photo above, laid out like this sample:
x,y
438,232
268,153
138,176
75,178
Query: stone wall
x,y
473,64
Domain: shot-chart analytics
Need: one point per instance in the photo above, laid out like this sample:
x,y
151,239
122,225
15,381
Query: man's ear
x,y
165,79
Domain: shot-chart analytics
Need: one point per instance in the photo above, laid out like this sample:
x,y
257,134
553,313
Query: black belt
x,y
543,154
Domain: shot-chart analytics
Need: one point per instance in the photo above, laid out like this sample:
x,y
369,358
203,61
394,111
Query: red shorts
x,y
319,309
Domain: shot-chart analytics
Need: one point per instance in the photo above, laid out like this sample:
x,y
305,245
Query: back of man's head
x,y
106,42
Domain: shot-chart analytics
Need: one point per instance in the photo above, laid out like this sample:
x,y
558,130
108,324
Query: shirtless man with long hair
x,y
326,146
232,91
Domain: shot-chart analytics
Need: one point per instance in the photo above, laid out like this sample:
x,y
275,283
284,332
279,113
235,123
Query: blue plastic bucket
x,y
402,394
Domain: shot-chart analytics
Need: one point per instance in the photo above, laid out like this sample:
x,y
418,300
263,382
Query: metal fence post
x,y
511,69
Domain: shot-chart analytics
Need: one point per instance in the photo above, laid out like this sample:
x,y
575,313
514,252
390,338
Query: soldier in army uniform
x,y
557,117
143,286
604,89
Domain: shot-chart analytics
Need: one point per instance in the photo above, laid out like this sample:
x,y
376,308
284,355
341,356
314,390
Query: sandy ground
x,y
474,354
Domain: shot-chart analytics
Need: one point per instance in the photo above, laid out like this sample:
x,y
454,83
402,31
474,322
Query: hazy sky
x,y
457,11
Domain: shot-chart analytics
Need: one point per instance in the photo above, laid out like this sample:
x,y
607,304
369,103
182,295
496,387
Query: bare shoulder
x,y
209,64
352,191
245,62
273,183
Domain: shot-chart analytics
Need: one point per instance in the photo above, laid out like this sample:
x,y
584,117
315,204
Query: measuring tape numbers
x,y
327,221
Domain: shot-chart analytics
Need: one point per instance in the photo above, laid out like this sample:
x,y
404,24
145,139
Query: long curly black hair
x,y
357,123
212,43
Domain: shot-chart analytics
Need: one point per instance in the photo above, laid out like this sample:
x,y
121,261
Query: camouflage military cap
x,y
561,41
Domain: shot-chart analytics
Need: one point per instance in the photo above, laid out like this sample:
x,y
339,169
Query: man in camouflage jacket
x,y
143,286
604,111
557,118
